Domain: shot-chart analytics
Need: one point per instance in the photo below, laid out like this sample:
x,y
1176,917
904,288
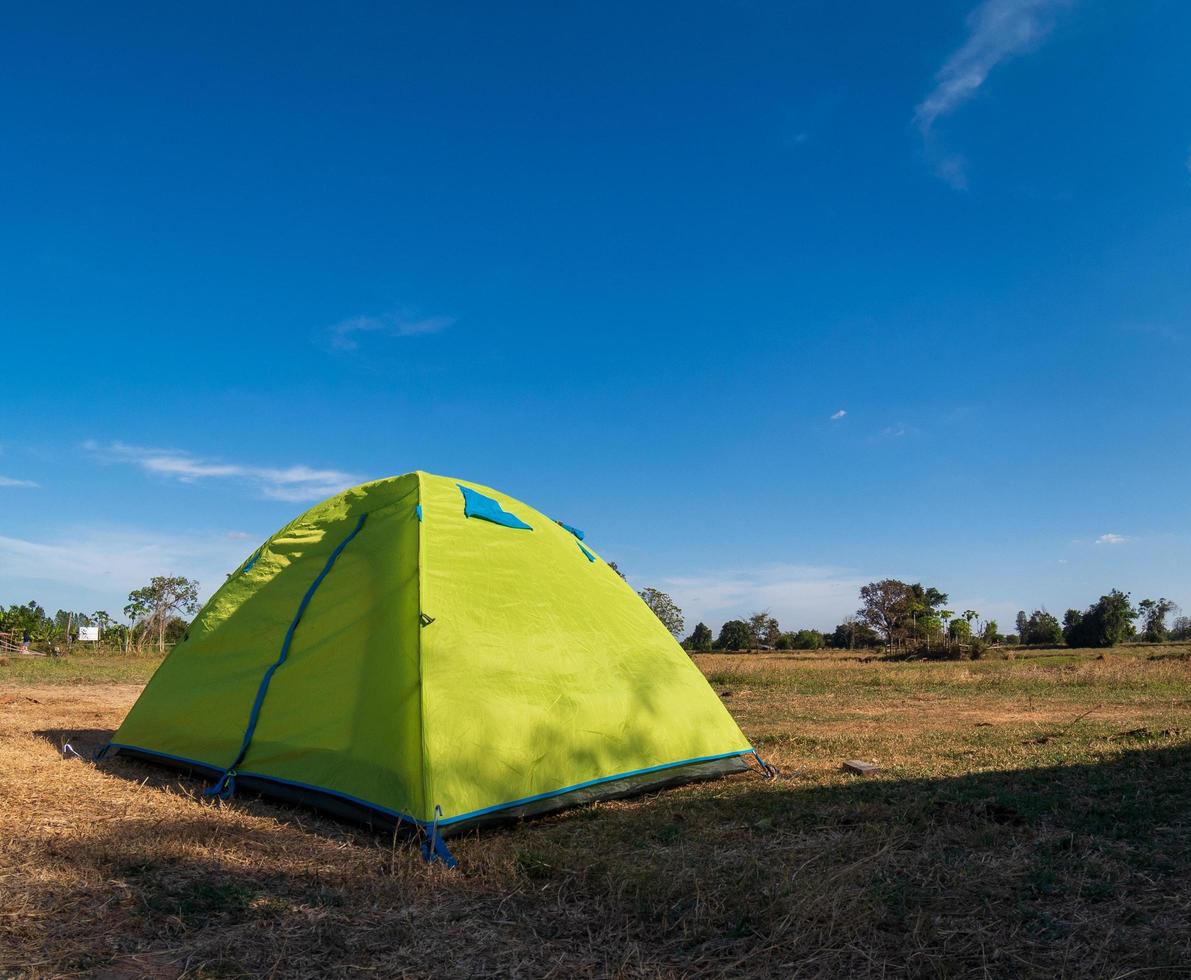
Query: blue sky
x,y
771,298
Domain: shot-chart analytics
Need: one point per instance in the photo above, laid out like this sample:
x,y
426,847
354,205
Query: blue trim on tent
x,y
253,560
574,530
590,556
367,804
418,511
254,715
463,816
592,782
165,755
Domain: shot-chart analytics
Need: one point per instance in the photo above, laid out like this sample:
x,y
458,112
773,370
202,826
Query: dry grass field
x,y
1031,818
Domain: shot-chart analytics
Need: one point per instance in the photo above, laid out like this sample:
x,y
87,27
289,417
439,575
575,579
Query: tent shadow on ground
x,y
1078,869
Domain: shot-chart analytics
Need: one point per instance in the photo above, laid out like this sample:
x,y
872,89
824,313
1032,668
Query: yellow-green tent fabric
x,y
430,650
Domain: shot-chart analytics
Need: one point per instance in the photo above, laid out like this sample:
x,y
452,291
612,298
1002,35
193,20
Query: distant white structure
x,y
88,634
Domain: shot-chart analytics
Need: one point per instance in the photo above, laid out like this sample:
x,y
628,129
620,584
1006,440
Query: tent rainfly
x,y
429,652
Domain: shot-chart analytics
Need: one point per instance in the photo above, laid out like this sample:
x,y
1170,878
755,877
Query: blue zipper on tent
x,y
225,786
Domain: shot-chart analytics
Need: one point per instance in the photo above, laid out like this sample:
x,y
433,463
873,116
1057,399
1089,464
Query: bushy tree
x,y
1042,628
1106,623
1181,630
852,634
700,639
806,640
664,608
897,610
29,618
734,635
989,634
960,631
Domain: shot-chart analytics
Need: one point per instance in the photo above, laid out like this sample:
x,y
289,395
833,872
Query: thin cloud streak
x,y
1111,538
344,335
997,30
293,483
836,416
8,481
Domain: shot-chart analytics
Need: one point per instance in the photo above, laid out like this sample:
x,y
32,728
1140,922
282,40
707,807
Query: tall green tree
x,y
734,635
30,617
1153,613
852,634
664,608
765,629
154,605
700,639
1105,624
1043,629
806,640
885,606
897,610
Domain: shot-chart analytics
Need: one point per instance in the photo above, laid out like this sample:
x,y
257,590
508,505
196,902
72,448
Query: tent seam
x,y
427,802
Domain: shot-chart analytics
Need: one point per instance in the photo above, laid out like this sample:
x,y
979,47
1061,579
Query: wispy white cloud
x,y
1159,331
344,335
997,30
8,481
836,416
1111,538
292,483
96,567
798,595
895,431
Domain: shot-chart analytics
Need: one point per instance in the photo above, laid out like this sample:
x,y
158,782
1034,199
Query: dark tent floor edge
x,y
375,818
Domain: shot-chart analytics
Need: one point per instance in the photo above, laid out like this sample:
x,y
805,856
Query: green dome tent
x,y
430,651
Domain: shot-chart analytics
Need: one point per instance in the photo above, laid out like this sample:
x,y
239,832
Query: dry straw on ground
x,y
1005,836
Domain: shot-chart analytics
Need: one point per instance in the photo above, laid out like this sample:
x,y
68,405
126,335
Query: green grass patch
x,y
115,669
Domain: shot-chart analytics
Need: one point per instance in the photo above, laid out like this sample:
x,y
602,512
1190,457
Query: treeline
x,y
913,619
761,631
1110,620
155,613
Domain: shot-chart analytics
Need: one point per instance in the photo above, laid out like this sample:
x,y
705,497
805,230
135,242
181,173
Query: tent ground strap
x,y
434,848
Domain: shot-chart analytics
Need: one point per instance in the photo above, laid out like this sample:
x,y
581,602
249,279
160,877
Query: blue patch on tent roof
x,y
574,530
252,561
486,509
